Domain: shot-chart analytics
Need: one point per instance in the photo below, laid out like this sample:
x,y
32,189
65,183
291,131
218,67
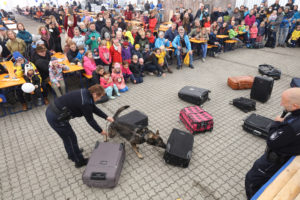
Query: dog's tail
x,y
119,111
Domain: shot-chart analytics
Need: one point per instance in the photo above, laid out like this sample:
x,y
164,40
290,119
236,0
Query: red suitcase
x,y
196,120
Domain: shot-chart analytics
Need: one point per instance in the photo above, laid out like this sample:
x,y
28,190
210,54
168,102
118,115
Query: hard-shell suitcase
x,y
134,118
244,104
179,148
240,82
295,82
258,125
105,165
193,95
262,88
270,71
196,120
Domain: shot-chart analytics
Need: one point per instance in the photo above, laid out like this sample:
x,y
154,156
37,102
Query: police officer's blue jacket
x,y
81,103
284,136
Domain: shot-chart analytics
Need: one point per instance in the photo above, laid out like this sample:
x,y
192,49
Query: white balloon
x,y
28,87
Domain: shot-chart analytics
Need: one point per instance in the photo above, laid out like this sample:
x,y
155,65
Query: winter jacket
x,y
142,42
95,78
138,53
285,22
116,55
278,22
249,20
126,53
152,23
136,70
176,43
212,38
104,55
194,33
50,43
261,31
80,56
232,33
35,80
118,80
71,55
79,40
128,15
125,70
16,45
161,41
92,43
104,30
295,35
151,39
170,34
88,65
161,57
100,25
223,31
253,32
56,74
26,36
70,30
105,84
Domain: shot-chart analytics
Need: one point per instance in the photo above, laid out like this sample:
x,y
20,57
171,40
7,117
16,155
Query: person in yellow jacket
x,y
295,38
14,43
21,63
160,53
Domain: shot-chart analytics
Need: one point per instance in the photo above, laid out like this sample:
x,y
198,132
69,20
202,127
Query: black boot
x,y
81,163
81,150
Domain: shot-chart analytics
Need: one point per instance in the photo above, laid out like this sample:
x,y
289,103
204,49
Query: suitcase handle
x,y
98,176
258,133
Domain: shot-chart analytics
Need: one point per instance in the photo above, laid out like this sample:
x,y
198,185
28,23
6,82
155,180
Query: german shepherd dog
x,y
134,134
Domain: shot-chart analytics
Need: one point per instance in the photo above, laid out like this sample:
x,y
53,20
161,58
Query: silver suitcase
x,y
105,165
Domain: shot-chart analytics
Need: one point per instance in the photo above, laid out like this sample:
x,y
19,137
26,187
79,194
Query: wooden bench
x,y
229,45
285,184
88,78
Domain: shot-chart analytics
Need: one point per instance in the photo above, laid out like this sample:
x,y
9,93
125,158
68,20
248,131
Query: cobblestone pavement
x,y
34,164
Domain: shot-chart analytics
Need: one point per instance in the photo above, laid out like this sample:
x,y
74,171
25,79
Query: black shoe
x,y
191,66
81,163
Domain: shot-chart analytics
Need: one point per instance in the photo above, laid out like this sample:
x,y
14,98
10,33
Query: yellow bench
x,y
87,76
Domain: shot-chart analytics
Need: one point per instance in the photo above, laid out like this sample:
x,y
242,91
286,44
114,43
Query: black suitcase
x,y
194,95
262,88
134,118
244,104
258,125
179,148
295,82
270,71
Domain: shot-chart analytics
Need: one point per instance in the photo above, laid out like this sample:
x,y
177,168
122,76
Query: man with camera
x,y
76,104
282,143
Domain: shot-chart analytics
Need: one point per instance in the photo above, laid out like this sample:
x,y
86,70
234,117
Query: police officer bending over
x,y
75,104
283,142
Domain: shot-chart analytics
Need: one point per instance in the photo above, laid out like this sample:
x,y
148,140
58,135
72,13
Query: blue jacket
x,y
285,22
176,42
80,56
161,41
26,36
170,35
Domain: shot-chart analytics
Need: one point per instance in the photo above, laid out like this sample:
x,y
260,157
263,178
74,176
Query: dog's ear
x,y
157,132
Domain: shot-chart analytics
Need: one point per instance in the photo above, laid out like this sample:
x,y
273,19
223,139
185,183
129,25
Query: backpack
x,y
270,71
244,104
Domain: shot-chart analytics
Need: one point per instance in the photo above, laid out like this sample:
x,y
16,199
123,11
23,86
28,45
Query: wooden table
x,y
167,23
73,68
222,36
8,22
134,22
197,41
164,28
7,82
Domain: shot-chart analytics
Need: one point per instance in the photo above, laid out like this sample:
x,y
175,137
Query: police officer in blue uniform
x,y
282,143
76,104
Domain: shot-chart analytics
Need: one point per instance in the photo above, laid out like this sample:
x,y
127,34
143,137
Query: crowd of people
x,y
114,51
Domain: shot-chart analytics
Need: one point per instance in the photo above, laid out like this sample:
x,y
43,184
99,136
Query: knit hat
x,y
125,43
137,46
28,67
17,55
3,29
